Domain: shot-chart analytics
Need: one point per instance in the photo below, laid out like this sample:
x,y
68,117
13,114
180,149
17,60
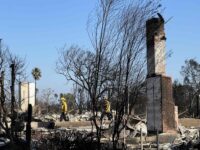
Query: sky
x,y
37,29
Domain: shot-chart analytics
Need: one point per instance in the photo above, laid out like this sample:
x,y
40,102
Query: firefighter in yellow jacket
x,y
63,108
106,109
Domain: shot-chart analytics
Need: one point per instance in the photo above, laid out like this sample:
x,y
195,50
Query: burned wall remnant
x,y
160,105
26,95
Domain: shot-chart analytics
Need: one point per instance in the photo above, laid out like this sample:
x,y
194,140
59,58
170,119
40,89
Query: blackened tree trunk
x,y
3,110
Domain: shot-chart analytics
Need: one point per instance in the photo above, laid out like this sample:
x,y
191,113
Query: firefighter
x,y
63,108
106,109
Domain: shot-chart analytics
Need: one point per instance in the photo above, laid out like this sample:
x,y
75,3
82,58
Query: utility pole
x,y
12,88
1,93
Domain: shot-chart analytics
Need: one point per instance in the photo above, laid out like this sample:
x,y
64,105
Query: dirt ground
x,y
189,122
72,124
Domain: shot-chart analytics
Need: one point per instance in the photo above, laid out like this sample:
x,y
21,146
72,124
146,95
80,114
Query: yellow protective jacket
x,y
64,104
106,105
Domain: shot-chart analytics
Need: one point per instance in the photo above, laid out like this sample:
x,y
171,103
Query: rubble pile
x,y
80,117
4,142
55,117
64,139
187,137
137,126
49,133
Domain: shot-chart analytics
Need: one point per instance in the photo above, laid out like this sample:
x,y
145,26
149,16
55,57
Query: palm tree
x,y
36,75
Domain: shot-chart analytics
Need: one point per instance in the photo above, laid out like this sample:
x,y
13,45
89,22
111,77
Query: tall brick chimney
x,y
161,111
155,36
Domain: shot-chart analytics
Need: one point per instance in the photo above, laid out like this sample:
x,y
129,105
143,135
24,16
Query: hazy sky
x,y
36,29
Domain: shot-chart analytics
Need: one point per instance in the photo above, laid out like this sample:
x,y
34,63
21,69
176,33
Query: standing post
x,y
28,127
12,88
